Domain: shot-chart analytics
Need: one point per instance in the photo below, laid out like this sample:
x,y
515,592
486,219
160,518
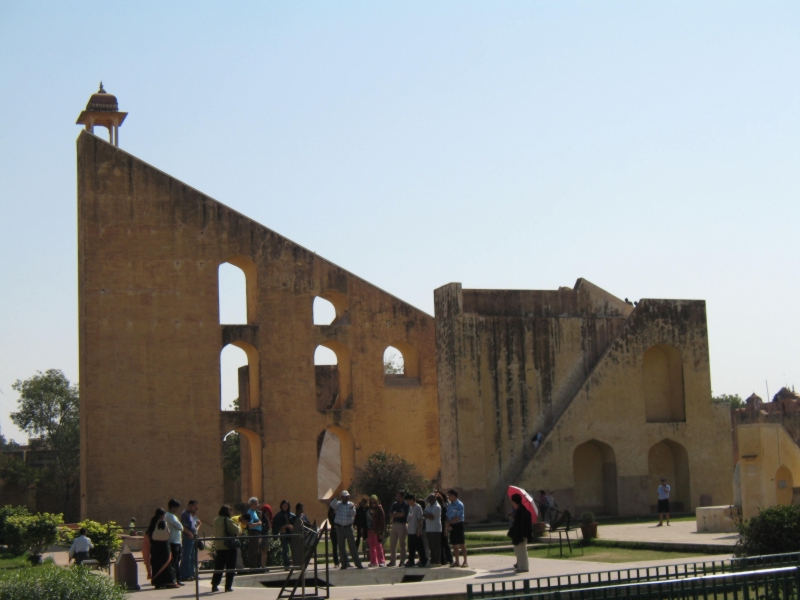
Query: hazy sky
x,y
650,147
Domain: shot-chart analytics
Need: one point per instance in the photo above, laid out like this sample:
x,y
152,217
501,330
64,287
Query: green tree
x,y
735,400
33,533
393,364
49,410
106,539
776,530
384,474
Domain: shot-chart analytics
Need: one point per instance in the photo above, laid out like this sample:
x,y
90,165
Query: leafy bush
x,y
56,583
33,533
6,512
587,518
775,530
105,542
385,474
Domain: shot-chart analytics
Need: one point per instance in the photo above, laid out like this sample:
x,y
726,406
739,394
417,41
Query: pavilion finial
x,y
101,90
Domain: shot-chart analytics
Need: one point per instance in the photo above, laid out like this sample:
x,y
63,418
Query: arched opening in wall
x,y
669,459
232,468
401,365
331,308
594,468
332,375
242,474
783,486
239,377
237,291
335,462
662,378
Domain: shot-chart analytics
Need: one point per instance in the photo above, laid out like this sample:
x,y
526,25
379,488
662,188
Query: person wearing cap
x,y
344,514
663,502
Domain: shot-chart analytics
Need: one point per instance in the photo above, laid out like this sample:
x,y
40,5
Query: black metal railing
x,y
767,584
524,587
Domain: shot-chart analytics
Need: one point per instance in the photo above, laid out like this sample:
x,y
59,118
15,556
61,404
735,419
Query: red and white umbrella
x,y
527,501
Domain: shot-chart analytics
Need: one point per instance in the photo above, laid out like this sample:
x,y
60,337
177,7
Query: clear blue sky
x,y
650,147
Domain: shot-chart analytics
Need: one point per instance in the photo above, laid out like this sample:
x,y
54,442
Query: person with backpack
x,y
226,543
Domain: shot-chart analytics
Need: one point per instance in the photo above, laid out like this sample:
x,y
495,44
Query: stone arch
x,y
250,271
669,459
333,381
341,307
783,486
409,357
336,454
248,376
252,476
594,468
662,378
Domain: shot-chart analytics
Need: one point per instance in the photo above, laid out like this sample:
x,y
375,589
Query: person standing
x,y
414,523
162,573
79,550
377,531
254,530
455,525
282,526
447,555
433,530
334,539
298,538
175,531
190,522
225,555
399,514
266,527
663,502
521,532
345,512
362,526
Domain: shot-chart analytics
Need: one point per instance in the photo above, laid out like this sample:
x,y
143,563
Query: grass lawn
x,y
9,561
609,555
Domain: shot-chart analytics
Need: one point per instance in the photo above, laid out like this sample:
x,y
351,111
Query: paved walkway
x,y
486,567
679,532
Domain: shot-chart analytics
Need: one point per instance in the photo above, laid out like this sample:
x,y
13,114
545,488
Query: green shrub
x,y
6,512
105,542
33,533
56,583
775,530
587,518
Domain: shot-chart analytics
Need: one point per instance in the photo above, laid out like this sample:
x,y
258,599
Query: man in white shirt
x,y
79,551
345,514
433,531
663,502
416,521
175,529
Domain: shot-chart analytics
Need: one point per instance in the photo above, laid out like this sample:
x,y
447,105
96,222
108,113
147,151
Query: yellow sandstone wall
x,y
150,340
769,463
623,396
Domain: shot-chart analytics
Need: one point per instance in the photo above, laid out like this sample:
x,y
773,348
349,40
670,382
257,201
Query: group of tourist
x,y
168,548
169,542
425,530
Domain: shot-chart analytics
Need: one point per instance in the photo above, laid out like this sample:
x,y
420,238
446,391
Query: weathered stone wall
x,y
569,363
150,341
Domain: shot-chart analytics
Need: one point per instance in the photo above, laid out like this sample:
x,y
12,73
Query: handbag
x,y
231,543
161,532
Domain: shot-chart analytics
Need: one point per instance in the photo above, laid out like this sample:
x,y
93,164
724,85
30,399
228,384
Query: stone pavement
x,y
487,568
679,532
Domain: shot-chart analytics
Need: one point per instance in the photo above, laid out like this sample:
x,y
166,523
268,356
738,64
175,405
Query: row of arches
x,y
594,468
239,373
237,296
